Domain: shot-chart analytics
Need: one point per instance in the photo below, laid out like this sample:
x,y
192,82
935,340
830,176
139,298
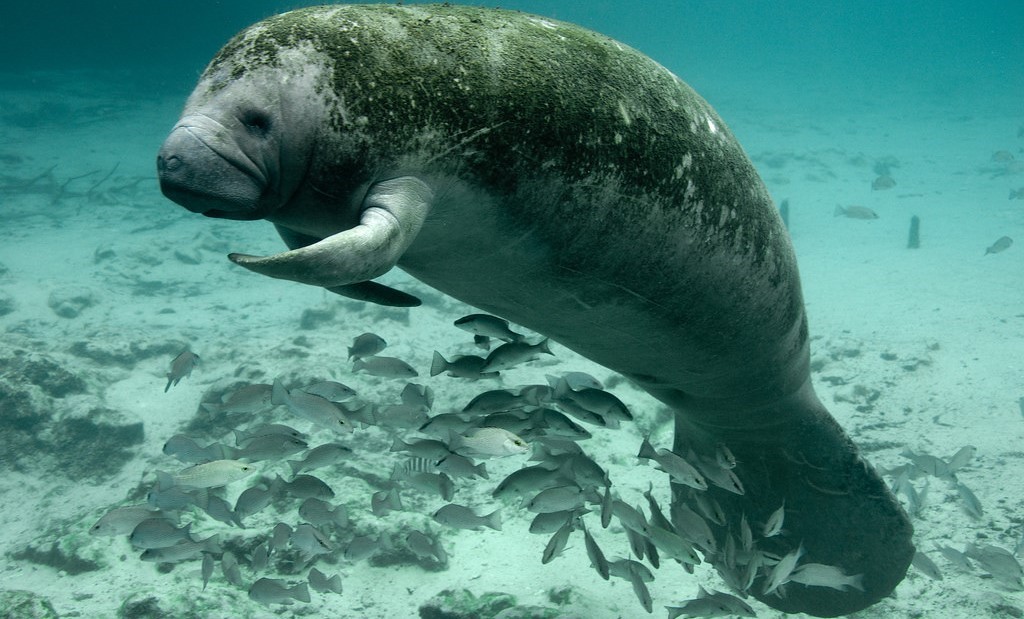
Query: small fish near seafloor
x,y
1002,244
855,212
181,367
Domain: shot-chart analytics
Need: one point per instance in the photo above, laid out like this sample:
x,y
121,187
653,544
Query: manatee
x,y
559,179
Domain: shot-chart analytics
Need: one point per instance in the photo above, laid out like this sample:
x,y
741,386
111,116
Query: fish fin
x,y
278,394
494,520
300,592
647,450
164,480
438,364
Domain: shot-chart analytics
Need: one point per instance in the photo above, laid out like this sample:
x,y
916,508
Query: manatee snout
x,y
208,177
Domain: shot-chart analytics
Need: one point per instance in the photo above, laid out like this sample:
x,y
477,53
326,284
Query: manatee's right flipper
x,y
836,505
392,215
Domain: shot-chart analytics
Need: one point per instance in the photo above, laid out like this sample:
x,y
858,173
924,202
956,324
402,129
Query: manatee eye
x,y
256,121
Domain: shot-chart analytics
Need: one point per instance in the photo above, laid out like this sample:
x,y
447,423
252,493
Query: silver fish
x,y
461,517
671,544
182,551
158,533
229,567
220,510
331,390
922,562
488,326
207,475
575,381
187,450
556,545
123,520
461,466
279,536
551,522
364,546
252,398
820,575
426,547
243,437
692,527
597,401
855,212
304,487
274,591
559,498
711,604
366,345
971,503
1002,244
487,442
251,501
320,456
270,447
181,367
511,354
176,498
773,526
421,448
318,513
463,366
310,541
385,501
998,562
782,571
385,367
320,582
313,408
625,568
206,570
494,401
414,394
400,416
528,480
678,468
960,459
260,557
955,557
596,556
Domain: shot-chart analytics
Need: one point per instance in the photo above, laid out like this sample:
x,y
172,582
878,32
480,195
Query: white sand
x,y
946,303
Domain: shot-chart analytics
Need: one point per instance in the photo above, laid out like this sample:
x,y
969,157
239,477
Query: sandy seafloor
x,y
915,349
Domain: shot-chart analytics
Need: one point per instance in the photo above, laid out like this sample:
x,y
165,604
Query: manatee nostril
x,y
168,164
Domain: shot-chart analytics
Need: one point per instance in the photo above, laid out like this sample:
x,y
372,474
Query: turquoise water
x,y
103,281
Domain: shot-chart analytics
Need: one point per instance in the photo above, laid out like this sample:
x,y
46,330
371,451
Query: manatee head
x,y
245,140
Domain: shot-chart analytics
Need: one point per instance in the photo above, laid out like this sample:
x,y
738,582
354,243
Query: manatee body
x,y
566,182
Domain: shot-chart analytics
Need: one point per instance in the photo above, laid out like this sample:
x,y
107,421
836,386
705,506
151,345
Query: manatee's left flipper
x,y
391,216
370,292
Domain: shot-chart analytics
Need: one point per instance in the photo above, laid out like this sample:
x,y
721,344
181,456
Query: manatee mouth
x,y
203,173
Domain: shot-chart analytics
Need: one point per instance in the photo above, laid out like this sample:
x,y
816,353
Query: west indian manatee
x,y
553,177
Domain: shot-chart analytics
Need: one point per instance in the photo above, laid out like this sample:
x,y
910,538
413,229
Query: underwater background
x,y
858,115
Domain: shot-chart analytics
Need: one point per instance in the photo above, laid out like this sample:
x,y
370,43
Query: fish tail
x,y
300,592
545,346
164,480
647,450
839,212
493,520
278,394
296,466
438,365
